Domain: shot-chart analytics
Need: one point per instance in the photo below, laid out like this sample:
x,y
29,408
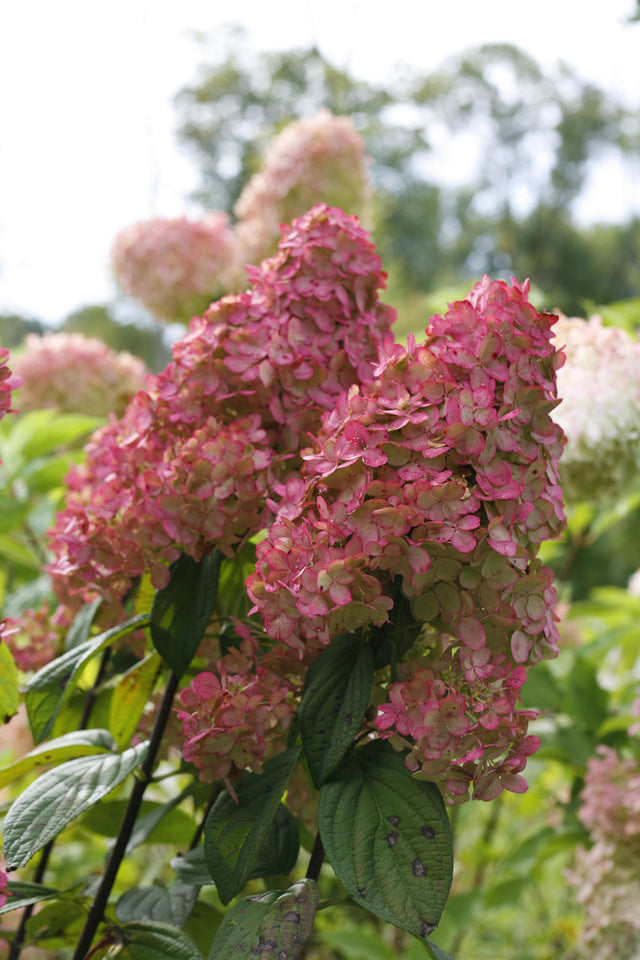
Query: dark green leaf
x,y
24,893
181,612
191,867
276,924
70,746
156,941
281,850
50,687
172,905
235,834
58,797
237,933
388,839
334,702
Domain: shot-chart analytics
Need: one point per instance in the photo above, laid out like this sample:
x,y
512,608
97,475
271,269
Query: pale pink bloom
x,y
600,411
76,374
320,159
175,267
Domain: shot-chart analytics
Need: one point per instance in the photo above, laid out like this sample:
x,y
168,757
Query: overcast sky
x,y
87,142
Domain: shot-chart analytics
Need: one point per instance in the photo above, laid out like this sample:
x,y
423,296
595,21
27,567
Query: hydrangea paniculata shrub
x,y
600,411
424,500
74,373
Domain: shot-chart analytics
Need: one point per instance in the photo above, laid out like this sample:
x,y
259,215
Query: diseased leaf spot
x,y
362,892
392,838
418,868
426,928
292,916
394,821
427,832
348,719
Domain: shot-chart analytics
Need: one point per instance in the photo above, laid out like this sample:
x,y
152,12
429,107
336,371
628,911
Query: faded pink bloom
x,y
234,721
175,267
4,895
435,479
320,159
32,639
8,381
75,373
606,874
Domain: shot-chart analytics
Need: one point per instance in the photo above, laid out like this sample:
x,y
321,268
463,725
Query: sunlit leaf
x,y
58,797
80,743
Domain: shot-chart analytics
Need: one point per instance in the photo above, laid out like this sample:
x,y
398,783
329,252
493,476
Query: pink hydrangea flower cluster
x,y
191,462
600,411
4,880
175,267
75,373
435,481
234,719
317,159
606,875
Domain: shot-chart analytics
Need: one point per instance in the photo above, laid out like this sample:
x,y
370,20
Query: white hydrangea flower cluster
x,y
600,410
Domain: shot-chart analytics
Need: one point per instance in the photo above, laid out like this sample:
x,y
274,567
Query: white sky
x,y
87,124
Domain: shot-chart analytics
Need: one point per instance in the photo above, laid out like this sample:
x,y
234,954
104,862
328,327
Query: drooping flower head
x,y
429,489
175,267
75,373
190,464
600,411
320,159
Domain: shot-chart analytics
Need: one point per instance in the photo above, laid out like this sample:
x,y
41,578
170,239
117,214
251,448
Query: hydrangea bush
x,y
307,556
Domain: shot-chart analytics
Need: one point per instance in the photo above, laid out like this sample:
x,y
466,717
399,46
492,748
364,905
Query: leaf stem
x,y
128,821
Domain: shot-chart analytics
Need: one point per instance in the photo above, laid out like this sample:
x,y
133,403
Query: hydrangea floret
x,y
74,373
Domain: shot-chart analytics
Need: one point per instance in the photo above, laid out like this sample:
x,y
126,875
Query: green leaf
x,y
9,693
334,702
49,430
182,611
130,698
70,746
78,632
388,838
172,905
191,867
23,893
235,834
58,797
237,933
51,687
281,850
155,941
156,822
276,924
